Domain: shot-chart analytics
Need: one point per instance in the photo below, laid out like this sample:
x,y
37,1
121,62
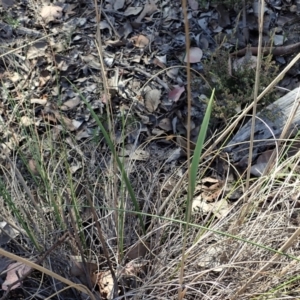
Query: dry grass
x,y
251,255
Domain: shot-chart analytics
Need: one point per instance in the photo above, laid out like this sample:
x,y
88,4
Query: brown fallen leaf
x,y
105,282
15,271
152,100
219,209
140,41
175,94
51,13
159,63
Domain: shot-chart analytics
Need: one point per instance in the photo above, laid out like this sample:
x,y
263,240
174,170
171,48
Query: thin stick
x,y
181,292
256,87
108,110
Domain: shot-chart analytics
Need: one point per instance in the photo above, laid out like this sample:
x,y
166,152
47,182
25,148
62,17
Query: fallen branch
x,y
277,51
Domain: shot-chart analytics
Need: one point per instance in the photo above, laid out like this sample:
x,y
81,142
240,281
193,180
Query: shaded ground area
x,y
56,162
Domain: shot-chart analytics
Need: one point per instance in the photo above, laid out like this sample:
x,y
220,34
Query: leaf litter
x,y
145,58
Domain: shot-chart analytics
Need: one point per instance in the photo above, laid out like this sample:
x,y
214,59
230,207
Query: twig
x,y
277,51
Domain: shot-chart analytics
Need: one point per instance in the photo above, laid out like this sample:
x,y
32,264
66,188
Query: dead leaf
x,y
195,55
105,282
4,263
152,100
175,94
15,77
26,121
70,124
125,30
118,4
82,270
245,62
210,258
165,124
140,249
224,19
140,41
16,270
261,163
51,13
173,72
139,154
132,10
91,61
39,101
156,61
219,208
70,104
7,232
174,155
149,9
45,75
210,189
32,165
37,50
194,4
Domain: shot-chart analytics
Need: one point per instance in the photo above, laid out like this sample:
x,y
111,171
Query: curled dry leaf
x,y
140,41
210,188
261,163
118,4
152,100
149,8
175,94
133,10
105,282
51,13
139,154
219,209
165,124
70,104
16,270
195,55
157,62
26,121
